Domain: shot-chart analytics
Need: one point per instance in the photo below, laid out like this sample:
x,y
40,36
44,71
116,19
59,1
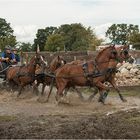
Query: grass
x,y
131,91
6,118
134,119
127,91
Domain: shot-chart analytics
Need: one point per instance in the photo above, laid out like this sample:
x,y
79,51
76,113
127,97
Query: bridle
x,y
61,63
113,52
126,55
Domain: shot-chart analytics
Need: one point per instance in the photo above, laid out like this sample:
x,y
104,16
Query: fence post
x,y
21,57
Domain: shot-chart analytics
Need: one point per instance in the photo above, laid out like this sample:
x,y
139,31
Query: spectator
x,y
16,56
7,57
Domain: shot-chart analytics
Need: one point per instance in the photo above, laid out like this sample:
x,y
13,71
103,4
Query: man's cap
x,y
14,49
7,47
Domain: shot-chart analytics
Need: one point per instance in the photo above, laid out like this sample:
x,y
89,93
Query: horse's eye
x,y
114,52
125,52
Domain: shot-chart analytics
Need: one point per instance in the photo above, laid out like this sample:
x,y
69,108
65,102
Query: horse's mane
x,y
32,58
122,47
53,61
102,51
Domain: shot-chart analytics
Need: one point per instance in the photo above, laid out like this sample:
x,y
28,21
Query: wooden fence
x,y
69,56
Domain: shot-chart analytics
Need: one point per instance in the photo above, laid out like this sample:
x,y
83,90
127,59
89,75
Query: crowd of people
x,y
9,56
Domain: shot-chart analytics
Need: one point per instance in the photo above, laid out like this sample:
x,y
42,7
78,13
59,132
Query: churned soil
x,y
25,117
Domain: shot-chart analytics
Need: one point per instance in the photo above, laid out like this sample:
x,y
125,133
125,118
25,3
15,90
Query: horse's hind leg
x,y
43,88
118,91
51,88
77,91
35,88
103,91
93,95
79,94
20,89
66,91
60,89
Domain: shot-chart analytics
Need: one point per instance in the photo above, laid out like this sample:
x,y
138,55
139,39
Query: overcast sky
x,y
26,16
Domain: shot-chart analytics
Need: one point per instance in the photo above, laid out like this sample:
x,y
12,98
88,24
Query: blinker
x,y
114,52
125,52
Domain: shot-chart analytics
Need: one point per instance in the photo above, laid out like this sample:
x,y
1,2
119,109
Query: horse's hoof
x,y
82,99
18,96
89,100
46,100
40,100
57,102
101,101
124,100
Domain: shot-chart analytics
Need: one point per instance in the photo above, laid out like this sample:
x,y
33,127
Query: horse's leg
x,y
42,93
35,88
112,82
79,94
66,91
92,96
61,85
43,87
51,87
103,91
20,89
77,91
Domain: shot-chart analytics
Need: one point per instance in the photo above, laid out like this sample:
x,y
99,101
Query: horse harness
x,y
96,72
19,74
89,75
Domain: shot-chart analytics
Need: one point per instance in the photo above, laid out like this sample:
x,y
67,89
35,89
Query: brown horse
x,y
75,75
124,55
46,76
23,75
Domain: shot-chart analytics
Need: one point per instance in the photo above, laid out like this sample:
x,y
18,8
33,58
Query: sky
x,y
27,16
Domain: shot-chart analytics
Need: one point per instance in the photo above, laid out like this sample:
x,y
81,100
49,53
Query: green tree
x,y
6,34
120,33
77,37
42,35
135,40
25,47
54,43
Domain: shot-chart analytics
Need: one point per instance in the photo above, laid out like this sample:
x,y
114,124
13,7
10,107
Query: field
x,y
27,118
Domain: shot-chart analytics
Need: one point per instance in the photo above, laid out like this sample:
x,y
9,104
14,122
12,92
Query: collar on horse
x,y
96,72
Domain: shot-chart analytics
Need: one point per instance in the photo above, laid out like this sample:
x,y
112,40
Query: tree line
x,y
70,37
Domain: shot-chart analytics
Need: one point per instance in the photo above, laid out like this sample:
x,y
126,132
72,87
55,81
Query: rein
x,y
5,69
81,75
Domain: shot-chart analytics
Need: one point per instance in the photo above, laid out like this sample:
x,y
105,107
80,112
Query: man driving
x,y
7,57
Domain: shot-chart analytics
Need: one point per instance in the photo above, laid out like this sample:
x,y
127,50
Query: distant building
x,y
104,46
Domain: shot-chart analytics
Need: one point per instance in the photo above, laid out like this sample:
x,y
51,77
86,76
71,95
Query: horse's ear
x,y
112,45
127,46
58,57
37,49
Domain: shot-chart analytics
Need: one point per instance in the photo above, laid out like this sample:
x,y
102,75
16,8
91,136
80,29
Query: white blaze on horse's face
x,y
62,62
43,60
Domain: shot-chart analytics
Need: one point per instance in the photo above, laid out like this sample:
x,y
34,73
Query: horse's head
x,y
38,60
113,52
124,54
106,54
57,62
60,61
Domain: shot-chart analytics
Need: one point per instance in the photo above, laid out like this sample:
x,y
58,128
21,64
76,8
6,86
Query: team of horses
x,y
62,75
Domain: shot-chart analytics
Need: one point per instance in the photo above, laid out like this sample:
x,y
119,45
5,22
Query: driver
x,y
16,55
7,57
